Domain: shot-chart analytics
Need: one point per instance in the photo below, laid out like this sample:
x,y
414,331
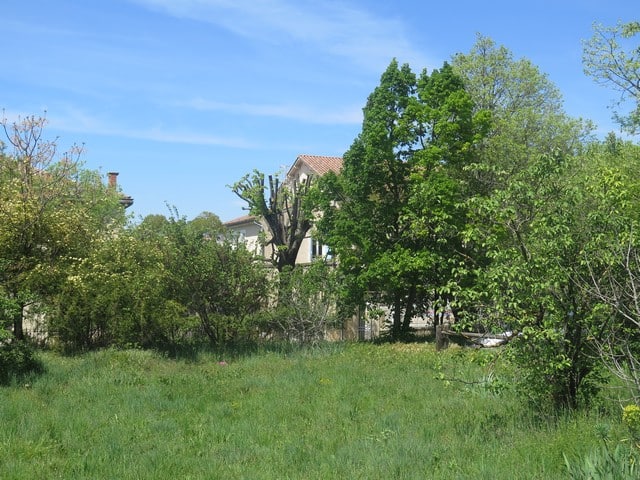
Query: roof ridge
x,y
321,164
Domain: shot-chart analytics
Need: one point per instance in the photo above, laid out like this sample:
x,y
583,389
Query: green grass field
x,y
354,411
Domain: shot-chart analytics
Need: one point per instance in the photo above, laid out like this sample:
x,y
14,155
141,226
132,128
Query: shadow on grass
x,y
421,336
405,337
237,350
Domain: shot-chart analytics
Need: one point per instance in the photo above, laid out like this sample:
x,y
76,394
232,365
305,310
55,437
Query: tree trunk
x,y
409,310
396,327
206,325
18,323
442,341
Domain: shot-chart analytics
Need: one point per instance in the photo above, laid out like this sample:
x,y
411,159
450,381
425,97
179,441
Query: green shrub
x,y
307,296
17,359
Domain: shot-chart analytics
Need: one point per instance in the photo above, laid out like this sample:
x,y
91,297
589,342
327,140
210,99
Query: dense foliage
x,y
160,284
471,188
526,218
395,226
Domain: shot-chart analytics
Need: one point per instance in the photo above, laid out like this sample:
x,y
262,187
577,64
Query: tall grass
x,y
356,411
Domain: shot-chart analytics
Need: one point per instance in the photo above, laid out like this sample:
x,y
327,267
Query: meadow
x,y
344,411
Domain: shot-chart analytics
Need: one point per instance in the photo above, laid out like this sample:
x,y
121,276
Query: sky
x,y
184,97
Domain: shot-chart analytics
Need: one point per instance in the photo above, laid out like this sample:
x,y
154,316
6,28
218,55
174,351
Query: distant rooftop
x,y
321,164
240,220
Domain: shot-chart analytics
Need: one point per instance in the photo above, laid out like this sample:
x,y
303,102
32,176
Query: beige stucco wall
x,y
249,233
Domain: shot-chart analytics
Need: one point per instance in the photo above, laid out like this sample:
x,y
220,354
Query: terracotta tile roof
x,y
240,220
321,164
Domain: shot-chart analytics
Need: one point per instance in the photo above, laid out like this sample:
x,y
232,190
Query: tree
x,y
526,225
51,210
390,215
612,57
362,207
285,213
527,116
451,130
534,240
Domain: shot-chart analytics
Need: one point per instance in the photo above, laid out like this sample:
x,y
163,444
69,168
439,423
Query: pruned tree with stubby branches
x,y
282,207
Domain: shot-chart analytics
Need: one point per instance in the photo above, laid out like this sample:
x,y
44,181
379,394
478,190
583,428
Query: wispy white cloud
x,y
190,138
77,121
339,116
329,27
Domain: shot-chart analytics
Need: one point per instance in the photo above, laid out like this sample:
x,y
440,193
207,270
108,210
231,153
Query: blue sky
x,y
184,97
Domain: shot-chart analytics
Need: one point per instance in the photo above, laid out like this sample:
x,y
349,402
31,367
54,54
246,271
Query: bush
x,y
306,308
17,359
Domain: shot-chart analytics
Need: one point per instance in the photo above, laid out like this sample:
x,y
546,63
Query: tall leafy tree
x,y
450,131
390,214
362,215
526,223
527,116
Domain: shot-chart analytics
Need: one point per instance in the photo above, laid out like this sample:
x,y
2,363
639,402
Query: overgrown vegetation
x,y
332,411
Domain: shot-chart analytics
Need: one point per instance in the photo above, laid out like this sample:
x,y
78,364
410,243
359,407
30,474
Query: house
x,y
249,229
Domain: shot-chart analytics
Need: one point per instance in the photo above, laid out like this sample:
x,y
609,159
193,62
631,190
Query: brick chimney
x,y
113,179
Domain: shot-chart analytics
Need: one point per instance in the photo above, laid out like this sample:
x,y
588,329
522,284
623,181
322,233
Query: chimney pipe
x,y
113,179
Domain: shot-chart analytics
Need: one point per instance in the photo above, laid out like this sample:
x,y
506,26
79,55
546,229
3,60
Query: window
x,y
316,249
